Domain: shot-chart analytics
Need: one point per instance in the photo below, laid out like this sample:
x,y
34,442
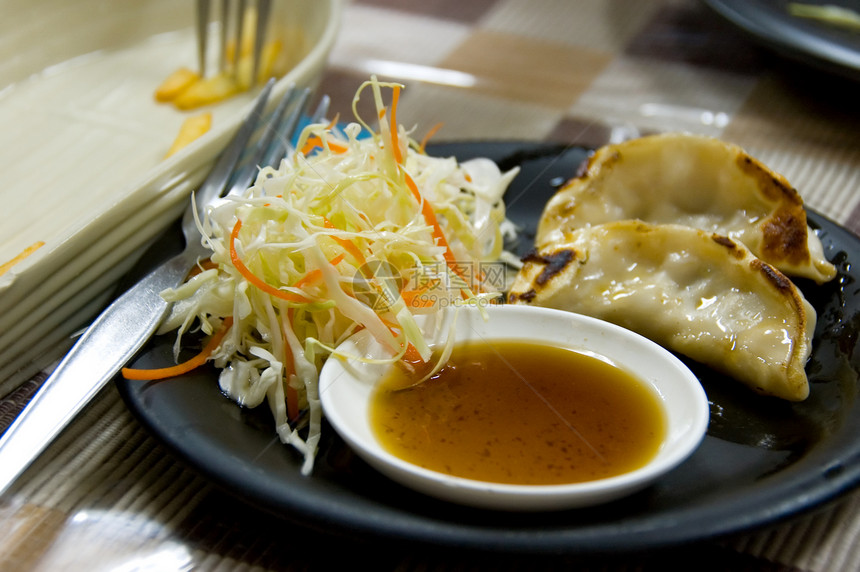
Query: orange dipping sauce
x,y
520,413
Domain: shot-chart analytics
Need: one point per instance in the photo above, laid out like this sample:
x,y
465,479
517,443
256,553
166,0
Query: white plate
x,y
84,141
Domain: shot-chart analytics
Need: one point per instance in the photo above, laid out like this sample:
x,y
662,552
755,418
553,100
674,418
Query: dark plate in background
x,y
831,48
762,461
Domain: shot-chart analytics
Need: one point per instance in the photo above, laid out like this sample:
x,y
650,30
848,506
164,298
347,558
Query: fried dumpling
x,y
700,294
694,181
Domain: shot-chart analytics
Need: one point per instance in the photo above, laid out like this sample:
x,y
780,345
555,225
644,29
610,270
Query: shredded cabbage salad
x,y
359,229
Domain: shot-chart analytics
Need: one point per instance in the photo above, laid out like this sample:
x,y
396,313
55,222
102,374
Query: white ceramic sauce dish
x,y
347,386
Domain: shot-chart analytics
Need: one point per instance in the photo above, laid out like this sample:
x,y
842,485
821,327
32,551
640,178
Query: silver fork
x,y
122,329
263,8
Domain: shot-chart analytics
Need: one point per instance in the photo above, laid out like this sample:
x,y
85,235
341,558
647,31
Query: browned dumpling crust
x,y
694,181
701,294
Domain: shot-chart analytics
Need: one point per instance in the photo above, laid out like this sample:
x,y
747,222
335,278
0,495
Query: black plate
x,y
825,46
763,460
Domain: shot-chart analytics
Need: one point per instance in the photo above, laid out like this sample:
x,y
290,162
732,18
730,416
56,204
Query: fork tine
x,y
254,154
224,35
216,182
284,129
240,29
274,140
263,9
322,109
202,34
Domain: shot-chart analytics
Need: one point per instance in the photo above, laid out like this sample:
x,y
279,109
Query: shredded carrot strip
x,y
253,278
309,278
410,297
186,366
314,141
426,207
23,254
427,137
430,217
412,300
347,245
350,247
412,354
315,275
333,122
337,259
